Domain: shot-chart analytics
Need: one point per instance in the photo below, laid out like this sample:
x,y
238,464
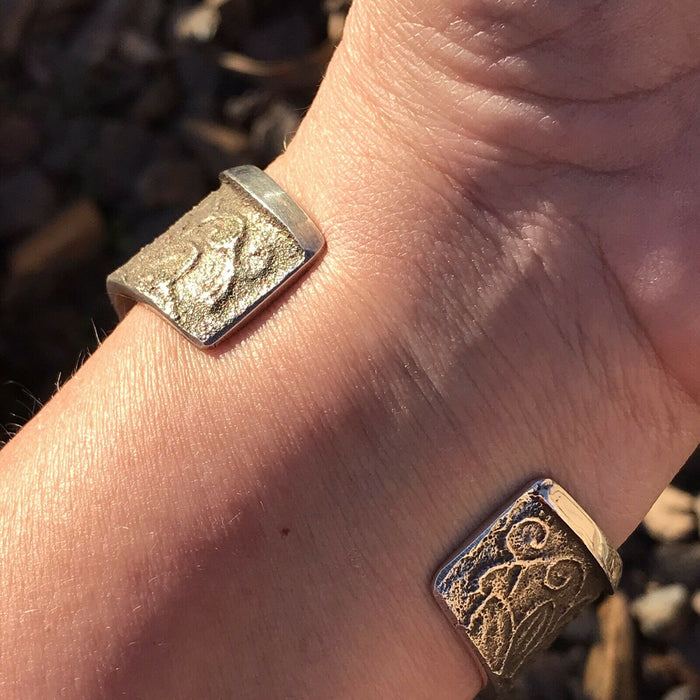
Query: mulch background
x,y
116,116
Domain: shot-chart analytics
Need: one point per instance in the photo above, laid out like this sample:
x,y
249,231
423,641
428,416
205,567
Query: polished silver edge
x,y
492,685
583,526
270,195
124,298
490,682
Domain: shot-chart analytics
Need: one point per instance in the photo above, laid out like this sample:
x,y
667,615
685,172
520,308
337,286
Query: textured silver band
x,y
523,577
223,261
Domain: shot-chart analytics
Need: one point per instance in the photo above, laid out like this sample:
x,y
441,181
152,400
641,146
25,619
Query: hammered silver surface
x,y
213,267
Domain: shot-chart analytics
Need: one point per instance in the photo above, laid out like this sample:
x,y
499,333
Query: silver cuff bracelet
x,y
527,573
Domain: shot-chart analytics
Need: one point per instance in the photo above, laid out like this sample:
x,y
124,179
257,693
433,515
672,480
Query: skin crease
x,y
508,190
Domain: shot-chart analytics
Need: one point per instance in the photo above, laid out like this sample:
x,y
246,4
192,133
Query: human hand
x,y
482,316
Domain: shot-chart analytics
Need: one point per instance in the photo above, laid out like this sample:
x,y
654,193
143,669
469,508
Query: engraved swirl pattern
x,y
513,589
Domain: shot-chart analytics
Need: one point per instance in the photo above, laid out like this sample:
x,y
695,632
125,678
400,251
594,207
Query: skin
x,y
511,289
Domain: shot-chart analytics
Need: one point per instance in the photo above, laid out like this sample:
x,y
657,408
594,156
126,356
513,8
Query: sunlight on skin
x,y
177,524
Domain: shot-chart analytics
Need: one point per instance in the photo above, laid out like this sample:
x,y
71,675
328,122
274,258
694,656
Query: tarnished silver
x,y
221,262
524,577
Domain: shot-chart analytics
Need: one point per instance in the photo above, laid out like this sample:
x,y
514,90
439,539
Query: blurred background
x,y
116,117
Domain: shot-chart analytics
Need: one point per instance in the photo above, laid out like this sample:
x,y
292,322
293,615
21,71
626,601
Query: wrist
x,y
289,498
